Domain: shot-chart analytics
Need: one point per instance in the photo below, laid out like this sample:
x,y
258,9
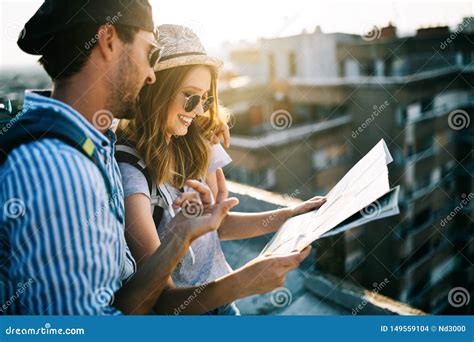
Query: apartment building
x,y
301,125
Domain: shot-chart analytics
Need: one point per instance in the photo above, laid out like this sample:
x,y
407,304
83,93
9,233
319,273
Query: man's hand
x,y
202,192
267,272
198,215
311,204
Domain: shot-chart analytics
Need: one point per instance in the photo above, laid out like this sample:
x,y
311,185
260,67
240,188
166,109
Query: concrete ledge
x,y
354,298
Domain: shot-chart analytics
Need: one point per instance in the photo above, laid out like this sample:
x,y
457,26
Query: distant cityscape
x,y
305,108
308,107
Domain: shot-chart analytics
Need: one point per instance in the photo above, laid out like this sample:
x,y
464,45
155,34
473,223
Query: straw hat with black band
x,y
181,46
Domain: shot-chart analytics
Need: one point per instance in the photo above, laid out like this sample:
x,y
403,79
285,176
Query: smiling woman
x,y
166,160
179,112
165,133
191,100
171,135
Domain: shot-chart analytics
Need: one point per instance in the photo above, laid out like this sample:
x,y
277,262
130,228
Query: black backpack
x,y
125,153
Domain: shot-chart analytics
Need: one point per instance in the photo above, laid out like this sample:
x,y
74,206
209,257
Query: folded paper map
x,y
362,195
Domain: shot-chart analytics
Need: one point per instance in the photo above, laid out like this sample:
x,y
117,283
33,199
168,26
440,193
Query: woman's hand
x,y
222,134
311,204
202,192
267,272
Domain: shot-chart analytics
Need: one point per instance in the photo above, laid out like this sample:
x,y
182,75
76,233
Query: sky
x,y
217,22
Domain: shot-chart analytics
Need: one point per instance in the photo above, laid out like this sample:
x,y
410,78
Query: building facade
x,y
321,101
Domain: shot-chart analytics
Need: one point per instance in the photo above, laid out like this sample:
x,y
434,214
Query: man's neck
x,y
87,98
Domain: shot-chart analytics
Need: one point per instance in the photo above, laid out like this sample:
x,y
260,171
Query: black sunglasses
x,y
193,100
155,55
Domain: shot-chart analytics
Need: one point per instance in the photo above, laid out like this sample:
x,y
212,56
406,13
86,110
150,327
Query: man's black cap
x,y
59,15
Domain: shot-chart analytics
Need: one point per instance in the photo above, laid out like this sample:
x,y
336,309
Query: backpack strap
x,y
36,124
127,154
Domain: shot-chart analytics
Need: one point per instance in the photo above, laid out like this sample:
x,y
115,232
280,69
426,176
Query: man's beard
x,y
123,100
127,109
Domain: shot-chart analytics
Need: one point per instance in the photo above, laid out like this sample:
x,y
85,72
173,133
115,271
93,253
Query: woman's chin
x,y
181,131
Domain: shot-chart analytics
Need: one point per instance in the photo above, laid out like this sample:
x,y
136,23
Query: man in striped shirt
x,y
62,246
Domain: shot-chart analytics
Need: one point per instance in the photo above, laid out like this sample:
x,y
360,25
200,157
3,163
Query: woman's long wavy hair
x,y
184,157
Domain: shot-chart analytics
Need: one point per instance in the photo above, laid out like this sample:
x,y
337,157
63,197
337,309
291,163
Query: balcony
x,y
288,135
416,236
415,63
441,110
419,270
419,156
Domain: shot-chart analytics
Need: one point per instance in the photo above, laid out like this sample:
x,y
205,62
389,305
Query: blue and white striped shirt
x,y
62,250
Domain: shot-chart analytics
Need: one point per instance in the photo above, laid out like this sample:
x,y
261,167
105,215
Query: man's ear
x,y
107,42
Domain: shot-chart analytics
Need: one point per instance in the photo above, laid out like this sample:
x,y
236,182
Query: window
x,y
436,176
442,270
292,64
265,178
427,104
329,156
351,68
353,260
419,253
319,159
271,67
423,183
422,218
426,145
413,111
269,179
368,68
401,115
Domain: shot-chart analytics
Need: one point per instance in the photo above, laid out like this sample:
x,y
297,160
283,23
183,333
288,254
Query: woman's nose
x,y
199,110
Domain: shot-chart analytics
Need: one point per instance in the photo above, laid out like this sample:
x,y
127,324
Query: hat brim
x,y
189,60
